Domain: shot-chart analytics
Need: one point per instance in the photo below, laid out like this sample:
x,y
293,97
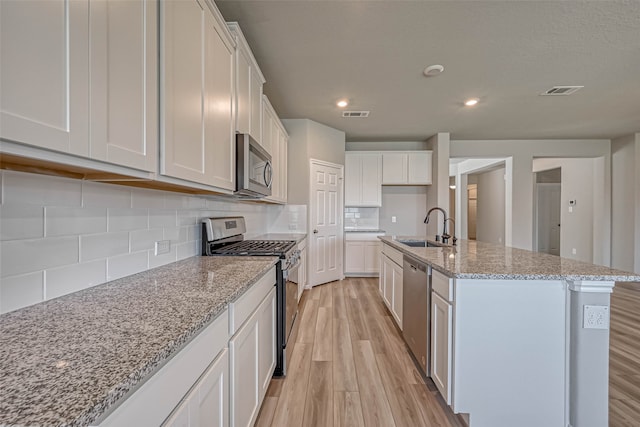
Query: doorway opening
x,y
547,205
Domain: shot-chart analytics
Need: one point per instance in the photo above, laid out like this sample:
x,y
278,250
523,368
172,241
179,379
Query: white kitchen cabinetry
x,y
85,83
207,404
406,167
302,270
249,81
363,179
197,66
362,254
391,277
275,140
441,333
252,350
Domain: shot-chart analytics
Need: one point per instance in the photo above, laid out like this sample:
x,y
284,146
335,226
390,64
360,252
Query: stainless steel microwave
x,y
254,172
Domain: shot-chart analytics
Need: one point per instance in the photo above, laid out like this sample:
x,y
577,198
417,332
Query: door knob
x,y
315,231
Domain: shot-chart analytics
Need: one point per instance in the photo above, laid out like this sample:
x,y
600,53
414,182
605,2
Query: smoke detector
x,y
433,70
561,90
355,114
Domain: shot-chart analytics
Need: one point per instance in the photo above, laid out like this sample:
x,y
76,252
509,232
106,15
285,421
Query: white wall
x,y
577,227
438,191
490,225
60,235
519,191
407,203
625,180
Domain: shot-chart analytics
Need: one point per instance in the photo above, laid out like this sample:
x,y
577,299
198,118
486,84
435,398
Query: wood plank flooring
x,y
350,366
624,356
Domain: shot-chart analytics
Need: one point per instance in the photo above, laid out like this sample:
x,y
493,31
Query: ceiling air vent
x,y
355,114
561,90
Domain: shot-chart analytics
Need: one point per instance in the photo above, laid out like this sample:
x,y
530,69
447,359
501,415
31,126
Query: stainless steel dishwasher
x,y
416,311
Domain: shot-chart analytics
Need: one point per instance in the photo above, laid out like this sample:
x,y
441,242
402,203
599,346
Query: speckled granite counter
x,y
362,230
68,360
298,237
477,260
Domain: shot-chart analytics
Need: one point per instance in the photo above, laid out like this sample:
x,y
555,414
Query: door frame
x,y
311,279
536,212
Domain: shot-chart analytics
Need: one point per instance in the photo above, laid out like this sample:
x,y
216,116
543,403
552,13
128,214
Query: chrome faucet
x,y
445,235
453,232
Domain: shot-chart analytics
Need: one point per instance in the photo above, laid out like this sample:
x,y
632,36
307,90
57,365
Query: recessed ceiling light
x,y
471,102
452,186
433,70
342,103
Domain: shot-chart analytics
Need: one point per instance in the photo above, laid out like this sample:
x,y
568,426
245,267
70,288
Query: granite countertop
x,y
362,230
68,360
298,237
478,260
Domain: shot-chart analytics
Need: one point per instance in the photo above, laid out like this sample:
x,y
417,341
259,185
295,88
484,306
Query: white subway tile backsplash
x,y
149,199
72,278
187,250
194,233
25,256
188,218
20,291
95,194
25,188
21,222
158,260
128,219
103,245
126,265
176,234
61,221
143,240
162,218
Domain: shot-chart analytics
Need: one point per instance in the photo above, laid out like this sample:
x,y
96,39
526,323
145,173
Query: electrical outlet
x,y
393,219
574,251
163,247
293,227
595,317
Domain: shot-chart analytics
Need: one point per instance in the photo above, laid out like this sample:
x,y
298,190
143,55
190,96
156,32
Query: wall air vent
x,y
355,114
561,90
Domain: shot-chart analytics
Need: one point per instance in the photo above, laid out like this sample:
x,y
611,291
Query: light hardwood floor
x,y
624,356
350,367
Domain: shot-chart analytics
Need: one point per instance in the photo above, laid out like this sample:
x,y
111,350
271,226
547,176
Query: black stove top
x,y
255,247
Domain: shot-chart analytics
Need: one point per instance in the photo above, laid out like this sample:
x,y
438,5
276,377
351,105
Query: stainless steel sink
x,y
419,243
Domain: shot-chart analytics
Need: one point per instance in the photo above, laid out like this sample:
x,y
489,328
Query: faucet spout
x,y
444,222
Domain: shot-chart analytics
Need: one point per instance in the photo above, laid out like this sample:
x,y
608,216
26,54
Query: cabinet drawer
x,y
393,254
240,309
442,285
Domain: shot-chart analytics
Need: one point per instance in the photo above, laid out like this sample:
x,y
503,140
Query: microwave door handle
x,y
268,168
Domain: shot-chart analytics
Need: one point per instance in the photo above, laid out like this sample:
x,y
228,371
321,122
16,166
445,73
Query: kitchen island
x,y
73,360
525,334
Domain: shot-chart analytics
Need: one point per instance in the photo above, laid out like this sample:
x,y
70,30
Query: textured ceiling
x,y
505,53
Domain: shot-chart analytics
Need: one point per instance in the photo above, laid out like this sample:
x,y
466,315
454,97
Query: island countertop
x,y
478,260
67,361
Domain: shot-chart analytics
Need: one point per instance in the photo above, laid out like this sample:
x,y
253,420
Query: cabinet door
x,y
255,99
211,408
381,276
394,168
284,165
180,415
243,349
419,168
441,339
354,257
267,125
396,309
243,90
302,273
371,257
388,282
219,128
124,83
266,342
44,51
352,180
183,146
371,180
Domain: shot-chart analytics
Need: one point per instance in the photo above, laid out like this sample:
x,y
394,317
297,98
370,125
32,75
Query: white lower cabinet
x,y
252,351
302,270
441,334
362,254
391,286
208,402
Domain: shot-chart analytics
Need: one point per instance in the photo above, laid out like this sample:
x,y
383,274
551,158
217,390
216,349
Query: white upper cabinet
x,y
363,179
249,81
81,80
197,140
124,82
406,167
45,74
275,140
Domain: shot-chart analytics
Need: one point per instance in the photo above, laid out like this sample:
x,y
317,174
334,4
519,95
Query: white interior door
x,y
327,235
548,218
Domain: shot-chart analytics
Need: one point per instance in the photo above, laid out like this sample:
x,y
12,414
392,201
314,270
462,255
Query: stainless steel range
x,y
225,236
